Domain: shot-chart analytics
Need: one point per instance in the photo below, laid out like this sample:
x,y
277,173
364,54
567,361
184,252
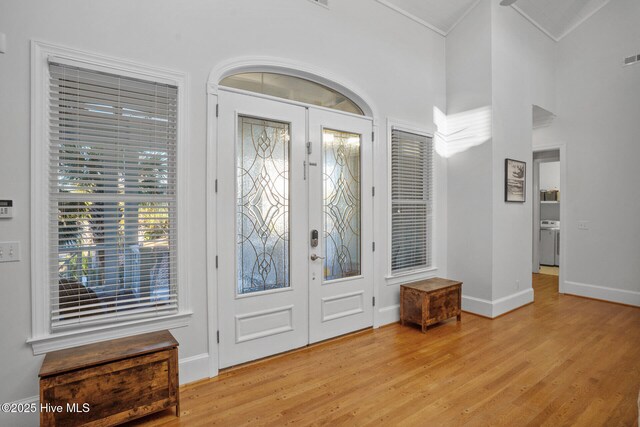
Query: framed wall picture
x,y
515,181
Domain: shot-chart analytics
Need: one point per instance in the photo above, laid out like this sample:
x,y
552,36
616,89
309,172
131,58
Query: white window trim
x,y
42,339
393,279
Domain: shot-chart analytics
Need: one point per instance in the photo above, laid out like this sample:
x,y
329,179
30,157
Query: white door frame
x,y
564,224
281,66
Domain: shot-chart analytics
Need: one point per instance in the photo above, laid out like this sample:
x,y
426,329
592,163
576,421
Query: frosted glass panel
x,y
262,214
341,204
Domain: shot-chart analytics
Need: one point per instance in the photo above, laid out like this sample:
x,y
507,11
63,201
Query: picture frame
x,y
515,181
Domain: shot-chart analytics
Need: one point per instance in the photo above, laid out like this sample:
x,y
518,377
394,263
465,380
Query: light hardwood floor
x,y
563,360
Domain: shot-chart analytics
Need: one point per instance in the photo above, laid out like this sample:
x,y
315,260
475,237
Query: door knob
x,y
315,257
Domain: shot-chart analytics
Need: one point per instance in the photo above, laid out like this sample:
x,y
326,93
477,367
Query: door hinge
x,y
374,301
373,136
309,147
216,185
217,109
373,246
218,337
216,261
373,191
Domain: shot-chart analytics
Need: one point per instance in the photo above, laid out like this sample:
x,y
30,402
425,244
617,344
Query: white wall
x,y
494,57
469,190
598,106
523,75
397,63
550,176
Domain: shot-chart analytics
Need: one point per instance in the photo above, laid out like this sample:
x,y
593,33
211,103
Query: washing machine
x,y
549,242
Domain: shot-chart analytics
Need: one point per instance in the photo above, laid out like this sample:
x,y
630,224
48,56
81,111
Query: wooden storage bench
x,y
430,301
111,382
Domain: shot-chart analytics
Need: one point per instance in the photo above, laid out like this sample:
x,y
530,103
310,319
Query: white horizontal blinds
x,y
411,200
112,197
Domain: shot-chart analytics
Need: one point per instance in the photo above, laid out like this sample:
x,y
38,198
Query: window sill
x,y
411,276
58,341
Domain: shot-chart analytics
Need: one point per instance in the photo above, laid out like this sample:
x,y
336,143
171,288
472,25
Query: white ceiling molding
x,y
535,23
412,17
554,18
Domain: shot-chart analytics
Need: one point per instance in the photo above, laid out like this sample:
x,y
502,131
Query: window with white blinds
x,y
112,197
411,201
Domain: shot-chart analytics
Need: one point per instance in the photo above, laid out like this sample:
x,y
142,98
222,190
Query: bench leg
x,y
459,317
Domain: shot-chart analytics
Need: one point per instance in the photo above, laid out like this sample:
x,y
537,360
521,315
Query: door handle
x,y
315,257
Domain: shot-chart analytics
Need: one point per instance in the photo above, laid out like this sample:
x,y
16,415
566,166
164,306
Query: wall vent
x,y
631,59
324,3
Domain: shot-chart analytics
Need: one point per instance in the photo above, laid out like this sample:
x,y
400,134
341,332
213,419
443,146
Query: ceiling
x,y
556,18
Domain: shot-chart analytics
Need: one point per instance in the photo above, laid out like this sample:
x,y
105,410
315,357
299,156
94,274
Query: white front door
x,y
273,190
341,211
262,228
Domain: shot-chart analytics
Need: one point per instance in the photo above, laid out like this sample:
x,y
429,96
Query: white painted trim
x,y
211,227
499,306
389,314
289,101
583,20
51,342
194,368
564,224
292,68
568,30
419,130
42,338
535,23
464,15
622,296
511,302
411,276
412,17
475,305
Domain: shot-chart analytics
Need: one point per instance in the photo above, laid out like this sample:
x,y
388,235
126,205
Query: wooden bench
x,y
111,382
430,301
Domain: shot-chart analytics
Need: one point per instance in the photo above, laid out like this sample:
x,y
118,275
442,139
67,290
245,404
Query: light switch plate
x,y
9,251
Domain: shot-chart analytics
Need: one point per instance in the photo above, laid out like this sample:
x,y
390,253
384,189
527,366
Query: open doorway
x,y
546,206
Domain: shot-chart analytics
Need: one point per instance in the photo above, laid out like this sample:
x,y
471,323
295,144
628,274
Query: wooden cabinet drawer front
x,y
443,305
147,383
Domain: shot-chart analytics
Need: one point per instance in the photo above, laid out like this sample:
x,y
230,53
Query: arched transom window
x,y
293,88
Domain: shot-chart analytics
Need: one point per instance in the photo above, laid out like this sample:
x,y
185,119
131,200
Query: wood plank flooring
x,y
563,360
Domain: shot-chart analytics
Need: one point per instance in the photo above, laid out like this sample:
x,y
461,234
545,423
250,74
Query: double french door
x,y
294,221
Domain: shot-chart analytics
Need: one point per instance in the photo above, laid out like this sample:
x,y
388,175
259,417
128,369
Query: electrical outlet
x,y
583,225
517,284
9,251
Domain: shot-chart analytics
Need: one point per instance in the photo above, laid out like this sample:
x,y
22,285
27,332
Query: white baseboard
x,y
621,296
194,368
479,306
499,306
389,314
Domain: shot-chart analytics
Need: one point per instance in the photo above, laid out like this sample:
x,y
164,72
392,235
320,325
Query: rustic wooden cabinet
x,y
430,301
111,382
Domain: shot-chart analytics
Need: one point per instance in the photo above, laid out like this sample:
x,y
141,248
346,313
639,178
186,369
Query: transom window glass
x,y
293,88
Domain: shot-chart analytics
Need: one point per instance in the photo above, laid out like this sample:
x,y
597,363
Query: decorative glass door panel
x,y
262,259
341,212
341,204
262,205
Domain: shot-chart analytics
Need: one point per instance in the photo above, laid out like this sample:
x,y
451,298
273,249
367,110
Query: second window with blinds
x,y
411,201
